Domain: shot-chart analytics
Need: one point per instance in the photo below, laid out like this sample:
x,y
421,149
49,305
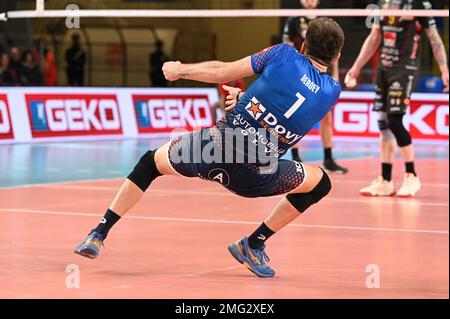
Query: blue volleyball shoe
x,y
90,247
254,259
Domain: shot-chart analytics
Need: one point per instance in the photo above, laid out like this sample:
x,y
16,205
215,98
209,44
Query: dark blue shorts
x,y
244,179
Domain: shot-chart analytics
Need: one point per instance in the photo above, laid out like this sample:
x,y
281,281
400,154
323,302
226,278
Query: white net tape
x,y
127,13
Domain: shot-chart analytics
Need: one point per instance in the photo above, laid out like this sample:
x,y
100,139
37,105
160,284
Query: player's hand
x,y
171,70
350,79
444,78
232,97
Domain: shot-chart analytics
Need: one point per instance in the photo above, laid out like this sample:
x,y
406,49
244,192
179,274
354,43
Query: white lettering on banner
x,y
357,117
74,116
77,115
417,119
56,116
113,122
200,104
173,113
441,119
5,126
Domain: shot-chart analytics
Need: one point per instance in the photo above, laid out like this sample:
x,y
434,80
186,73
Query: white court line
x,y
363,200
364,181
114,172
84,170
63,182
220,221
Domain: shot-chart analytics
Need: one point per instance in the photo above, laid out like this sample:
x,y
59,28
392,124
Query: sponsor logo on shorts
x,y
219,175
162,113
73,114
6,130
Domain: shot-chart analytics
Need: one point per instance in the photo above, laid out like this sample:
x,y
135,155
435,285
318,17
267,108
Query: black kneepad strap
x,y
145,171
302,201
402,136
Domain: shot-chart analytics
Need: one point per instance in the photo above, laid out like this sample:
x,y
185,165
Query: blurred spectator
x,y
157,60
75,60
8,76
50,71
30,72
15,62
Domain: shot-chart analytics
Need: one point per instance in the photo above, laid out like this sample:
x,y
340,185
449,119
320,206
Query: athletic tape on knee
x,y
302,201
395,124
145,171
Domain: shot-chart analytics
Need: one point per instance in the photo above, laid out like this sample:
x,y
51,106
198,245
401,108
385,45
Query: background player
x,y
292,93
399,39
294,34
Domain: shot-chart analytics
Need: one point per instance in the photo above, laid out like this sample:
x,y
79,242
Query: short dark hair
x,y
324,40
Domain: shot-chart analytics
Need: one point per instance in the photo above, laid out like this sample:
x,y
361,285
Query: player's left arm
x,y
439,53
209,72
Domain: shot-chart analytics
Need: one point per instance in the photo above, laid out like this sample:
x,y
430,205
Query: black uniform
x,y
398,56
295,30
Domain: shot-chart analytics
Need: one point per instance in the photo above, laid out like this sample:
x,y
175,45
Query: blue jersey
x,y
288,98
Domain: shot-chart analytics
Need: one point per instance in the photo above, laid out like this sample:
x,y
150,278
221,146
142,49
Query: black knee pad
x,y
395,124
301,201
145,171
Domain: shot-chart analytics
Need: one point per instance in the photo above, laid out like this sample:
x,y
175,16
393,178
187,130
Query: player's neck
x,y
322,68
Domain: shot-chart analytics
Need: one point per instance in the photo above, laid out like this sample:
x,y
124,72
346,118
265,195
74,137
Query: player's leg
x,y
314,184
151,165
401,88
382,185
411,184
295,153
326,134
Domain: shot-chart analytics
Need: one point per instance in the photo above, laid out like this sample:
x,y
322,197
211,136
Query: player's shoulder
x,y
285,52
332,86
336,87
422,4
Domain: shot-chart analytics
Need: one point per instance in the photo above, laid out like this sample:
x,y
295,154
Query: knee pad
x,y
395,124
302,201
145,171
385,132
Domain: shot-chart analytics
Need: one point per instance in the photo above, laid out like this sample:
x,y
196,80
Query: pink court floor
x,y
174,243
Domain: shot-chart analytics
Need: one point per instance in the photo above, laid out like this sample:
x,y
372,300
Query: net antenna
x,y
40,12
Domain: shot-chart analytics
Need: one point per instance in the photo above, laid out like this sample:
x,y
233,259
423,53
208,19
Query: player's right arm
x,y
370,46
209,72
224,72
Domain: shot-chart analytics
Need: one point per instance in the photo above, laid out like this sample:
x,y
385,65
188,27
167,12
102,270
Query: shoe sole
x,y
232,250
406,196
86,252
376,195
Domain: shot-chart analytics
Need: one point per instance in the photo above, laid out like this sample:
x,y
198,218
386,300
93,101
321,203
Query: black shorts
x,y
243,179
393,88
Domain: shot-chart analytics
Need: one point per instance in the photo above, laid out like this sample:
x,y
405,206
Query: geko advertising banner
x,y
52,114
6,130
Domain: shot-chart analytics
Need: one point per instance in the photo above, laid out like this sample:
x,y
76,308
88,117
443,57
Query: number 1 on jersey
x,y
296,105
